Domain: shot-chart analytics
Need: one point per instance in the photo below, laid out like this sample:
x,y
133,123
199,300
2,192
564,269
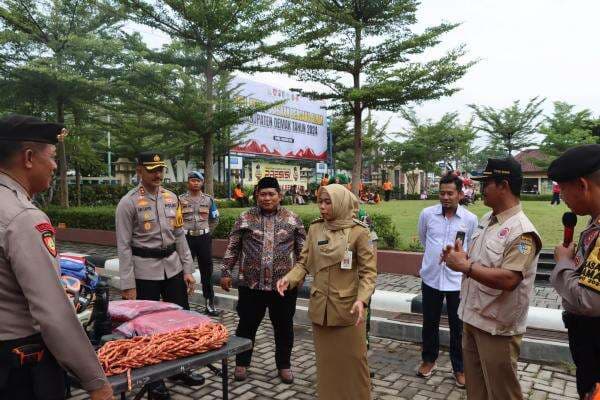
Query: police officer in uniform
x,y
154,259
576,276
39,332
498,276
200,218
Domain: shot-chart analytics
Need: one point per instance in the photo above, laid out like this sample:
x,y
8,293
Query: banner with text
x,y
296,129
287,175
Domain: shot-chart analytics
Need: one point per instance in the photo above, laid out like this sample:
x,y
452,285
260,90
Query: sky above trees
x,y
545,48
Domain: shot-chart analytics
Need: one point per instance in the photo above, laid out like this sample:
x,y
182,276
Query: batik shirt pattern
x,y
266,245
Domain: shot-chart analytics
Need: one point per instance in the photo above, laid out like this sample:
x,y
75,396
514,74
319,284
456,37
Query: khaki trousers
x,y
490,363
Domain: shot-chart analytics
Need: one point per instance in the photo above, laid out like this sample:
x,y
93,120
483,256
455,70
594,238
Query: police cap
x,y
151,160
195,175
25,128
505,168
576,162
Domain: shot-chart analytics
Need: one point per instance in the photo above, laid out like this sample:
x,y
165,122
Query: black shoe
x,y
191,378
159,392
210,308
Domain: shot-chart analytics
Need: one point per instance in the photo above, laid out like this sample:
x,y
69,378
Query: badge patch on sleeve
x,y
525,245
48,239
47,231
590,271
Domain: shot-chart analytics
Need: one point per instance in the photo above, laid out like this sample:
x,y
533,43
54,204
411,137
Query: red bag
x,y
162,322
126,310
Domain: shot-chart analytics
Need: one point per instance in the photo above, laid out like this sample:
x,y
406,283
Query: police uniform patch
x,y
147,226
590,271
48,231
503,232
48,239
525,245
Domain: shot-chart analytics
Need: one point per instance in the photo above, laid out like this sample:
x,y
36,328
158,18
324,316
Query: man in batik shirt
x,y
267,239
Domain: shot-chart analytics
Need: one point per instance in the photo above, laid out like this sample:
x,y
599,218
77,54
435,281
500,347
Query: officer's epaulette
x,y
359,222
316,221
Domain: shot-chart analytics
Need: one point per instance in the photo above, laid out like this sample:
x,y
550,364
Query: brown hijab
x,y
334,234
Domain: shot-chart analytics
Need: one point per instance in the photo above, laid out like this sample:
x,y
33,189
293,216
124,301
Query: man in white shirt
x,y
439,226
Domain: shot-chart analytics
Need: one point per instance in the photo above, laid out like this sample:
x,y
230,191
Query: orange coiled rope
x,y
123,355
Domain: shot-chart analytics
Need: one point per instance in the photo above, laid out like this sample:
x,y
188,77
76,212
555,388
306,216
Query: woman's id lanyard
x,y
347,260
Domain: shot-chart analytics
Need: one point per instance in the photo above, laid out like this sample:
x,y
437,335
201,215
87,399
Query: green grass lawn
x,y
405,215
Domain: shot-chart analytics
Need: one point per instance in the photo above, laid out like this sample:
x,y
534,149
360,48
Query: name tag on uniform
x,y
322,242
347,260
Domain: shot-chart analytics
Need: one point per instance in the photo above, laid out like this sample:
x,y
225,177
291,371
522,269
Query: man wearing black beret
x,y
576,276
267,239
39,331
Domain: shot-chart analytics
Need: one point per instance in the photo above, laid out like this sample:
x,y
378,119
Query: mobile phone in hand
x,y
460,235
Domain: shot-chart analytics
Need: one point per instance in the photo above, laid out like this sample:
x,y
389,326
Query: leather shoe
x,y
286,376
159,392
191,378
459,377
210,308
426,369
240,374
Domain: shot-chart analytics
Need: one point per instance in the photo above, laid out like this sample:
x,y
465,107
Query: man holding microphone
x,y
576,276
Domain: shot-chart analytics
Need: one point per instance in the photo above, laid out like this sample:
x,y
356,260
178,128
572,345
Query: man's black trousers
x,y
584,342
201,248
171,290
433,301
251,308
43,380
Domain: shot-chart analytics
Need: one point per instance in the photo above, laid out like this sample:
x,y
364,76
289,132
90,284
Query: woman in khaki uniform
x,y
340,256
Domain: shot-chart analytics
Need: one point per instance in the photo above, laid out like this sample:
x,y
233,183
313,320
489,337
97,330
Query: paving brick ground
x,y
544,296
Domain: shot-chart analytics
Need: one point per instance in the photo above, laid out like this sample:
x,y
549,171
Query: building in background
x,y
535,177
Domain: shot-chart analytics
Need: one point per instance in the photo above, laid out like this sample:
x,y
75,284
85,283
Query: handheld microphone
x,y
569,220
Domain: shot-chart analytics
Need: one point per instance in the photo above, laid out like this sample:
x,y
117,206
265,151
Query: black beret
x,y
576,162
24,128
506,168
268,183
151,160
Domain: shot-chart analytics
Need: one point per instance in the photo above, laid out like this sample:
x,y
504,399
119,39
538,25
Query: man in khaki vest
x,y
499,272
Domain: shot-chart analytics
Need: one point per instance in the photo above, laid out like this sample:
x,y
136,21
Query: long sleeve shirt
x,y
436,232
147,221
267,246
577,280
32,300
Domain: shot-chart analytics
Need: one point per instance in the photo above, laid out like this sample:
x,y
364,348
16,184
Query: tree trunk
x,y
357,111
62,156
208,133
78,186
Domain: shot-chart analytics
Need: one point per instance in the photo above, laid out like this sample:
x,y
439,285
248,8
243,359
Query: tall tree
x,y
57,54
564,129
228,35
511,127
361,53
174,95
444,140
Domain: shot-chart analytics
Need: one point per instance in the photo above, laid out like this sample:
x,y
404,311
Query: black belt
x,y
153,253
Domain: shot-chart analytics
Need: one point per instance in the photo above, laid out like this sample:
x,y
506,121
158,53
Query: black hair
x,y
514,184
451,178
